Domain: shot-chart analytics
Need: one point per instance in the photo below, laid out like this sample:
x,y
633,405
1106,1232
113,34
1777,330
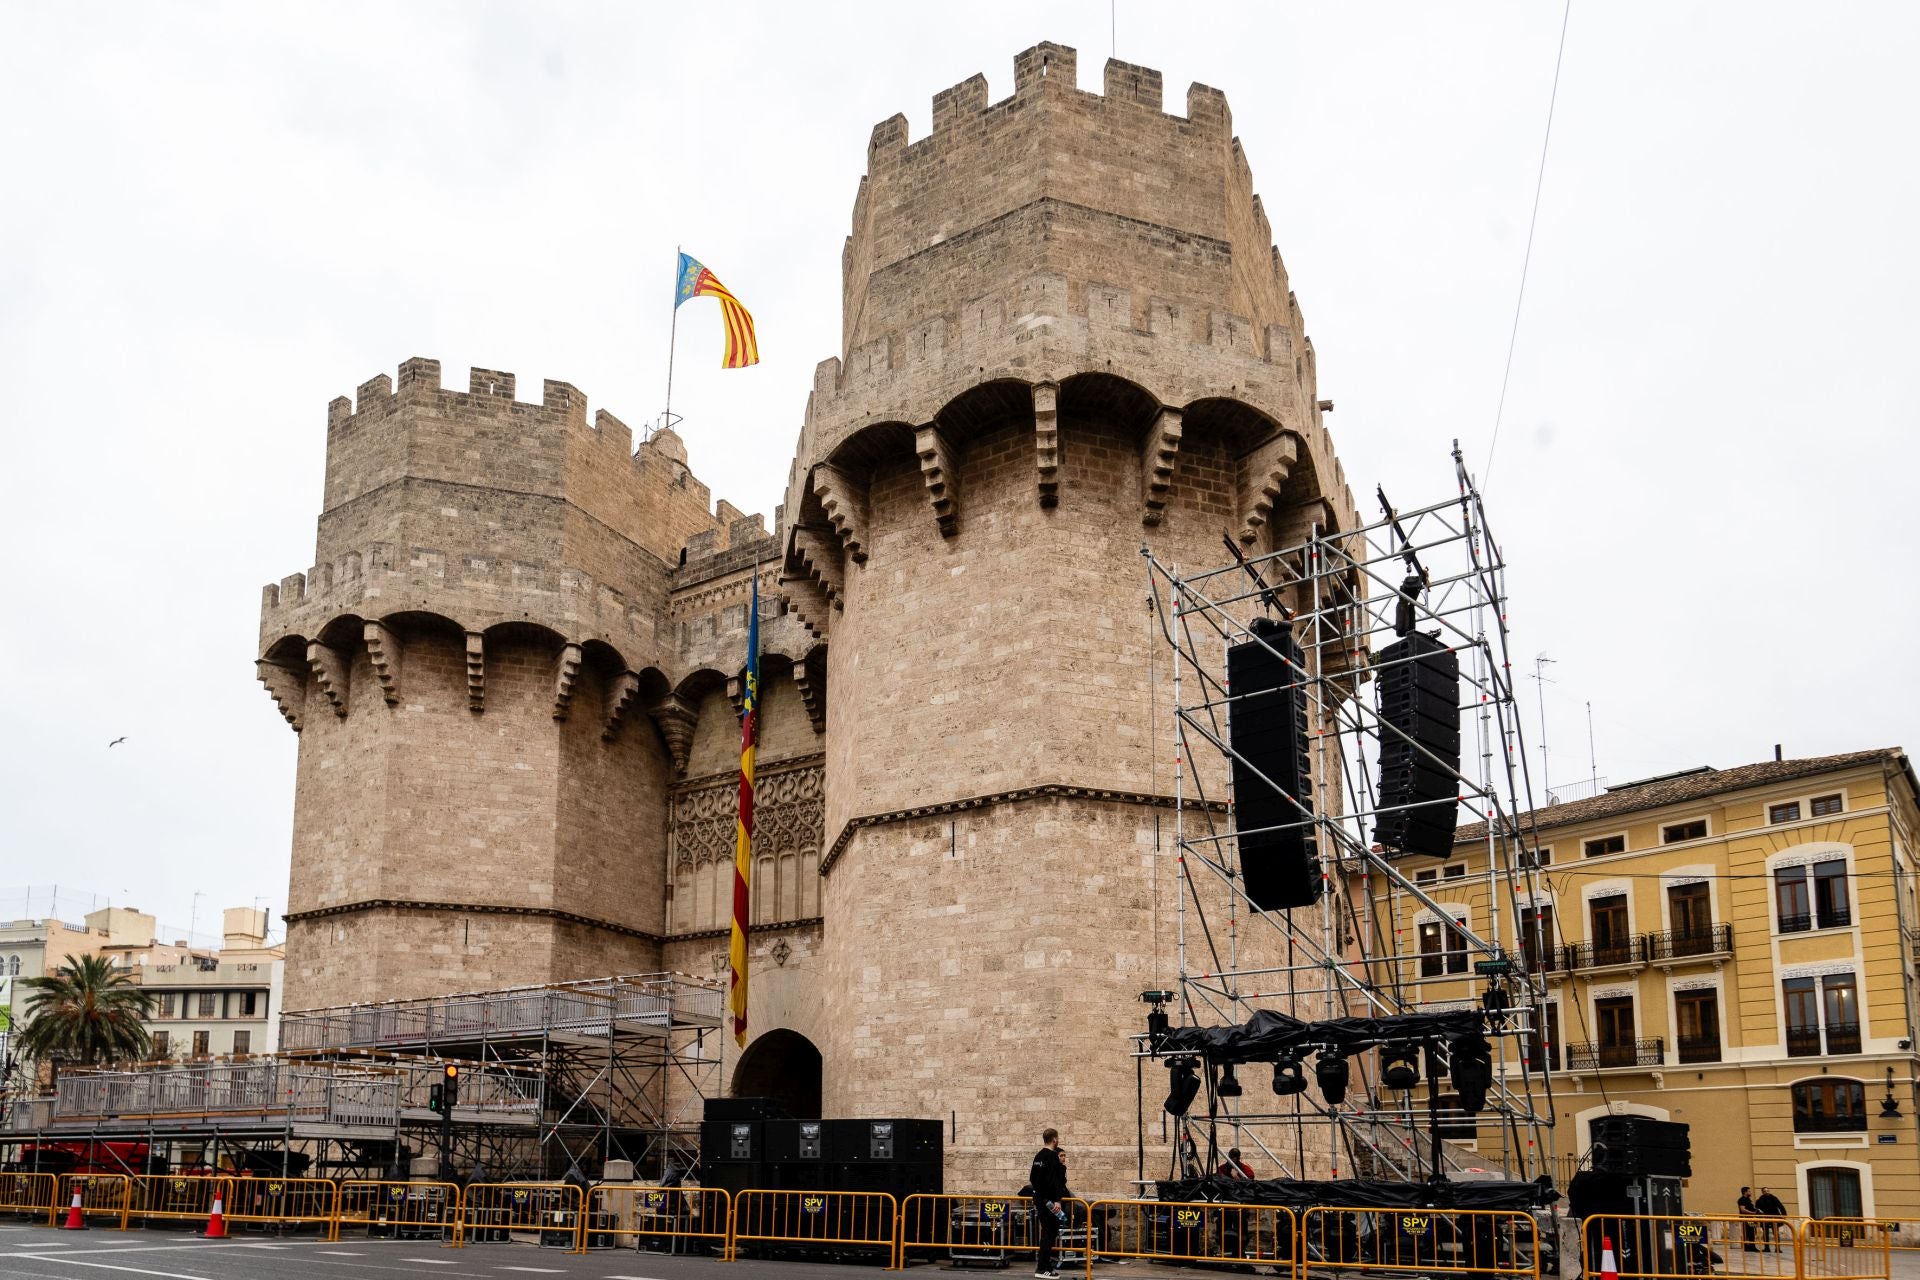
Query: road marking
x,y
108,1266
437,1262
545,1271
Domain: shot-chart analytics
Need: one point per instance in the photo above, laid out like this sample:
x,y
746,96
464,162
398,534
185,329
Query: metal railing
x,y
1488,1242
1697,1048
1603,955
1626,1053
1685,944
599,1008
28,1195
846,1218
1189,1232
493,1211
400,1210
676,1215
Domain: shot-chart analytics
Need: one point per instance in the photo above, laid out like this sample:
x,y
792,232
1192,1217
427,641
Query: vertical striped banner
x,y
743,825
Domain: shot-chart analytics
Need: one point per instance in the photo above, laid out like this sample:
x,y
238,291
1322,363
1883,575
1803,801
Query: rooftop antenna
x,y
1540,682
1593,760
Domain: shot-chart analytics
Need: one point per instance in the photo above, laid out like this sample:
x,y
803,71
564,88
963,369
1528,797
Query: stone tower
x,y
514,664
491,687
1066,332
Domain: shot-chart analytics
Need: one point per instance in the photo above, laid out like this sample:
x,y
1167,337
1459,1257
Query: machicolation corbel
x,y
1263,476
287,686
566,671
622,690
330,668
942,481
1157,463
844,499
383,655
476,671
676,718
1046,440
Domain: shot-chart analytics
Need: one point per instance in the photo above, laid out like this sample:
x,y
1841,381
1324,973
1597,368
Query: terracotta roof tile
x,y
1694,785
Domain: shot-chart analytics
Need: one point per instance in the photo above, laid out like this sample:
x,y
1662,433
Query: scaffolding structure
x,y
553,1080
1346,594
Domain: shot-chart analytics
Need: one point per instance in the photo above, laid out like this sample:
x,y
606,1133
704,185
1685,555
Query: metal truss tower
x,y
1347,594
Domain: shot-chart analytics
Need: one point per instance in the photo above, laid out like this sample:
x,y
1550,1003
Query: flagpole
x,y
673,336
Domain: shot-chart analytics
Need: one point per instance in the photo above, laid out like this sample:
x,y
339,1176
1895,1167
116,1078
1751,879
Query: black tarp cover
x,y
1361,1193
1267,1035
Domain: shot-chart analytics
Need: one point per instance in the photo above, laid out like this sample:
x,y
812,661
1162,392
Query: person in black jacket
x,y
1048,1177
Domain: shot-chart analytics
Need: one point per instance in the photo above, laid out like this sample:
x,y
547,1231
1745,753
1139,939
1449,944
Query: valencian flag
x,y
696,281
743,826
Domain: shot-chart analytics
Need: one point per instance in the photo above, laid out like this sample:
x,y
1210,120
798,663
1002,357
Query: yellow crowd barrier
x,y
28,1195
675,1215
283,1202
1846,1249
492,1210
847,1218
401,1210
1496,1242
102,1195
169,1196
1192,1231
1655,1247
971,1227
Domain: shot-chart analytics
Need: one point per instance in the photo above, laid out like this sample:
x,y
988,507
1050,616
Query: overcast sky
x,y
218,217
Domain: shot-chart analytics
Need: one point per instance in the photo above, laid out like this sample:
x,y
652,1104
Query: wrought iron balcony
x,y
1805,1042
1804,1123
1603,955
1713,942
1843,1037
1698,1048
1626,1053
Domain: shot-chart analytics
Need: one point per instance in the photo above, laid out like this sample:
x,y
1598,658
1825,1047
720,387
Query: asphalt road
x,y
42,1253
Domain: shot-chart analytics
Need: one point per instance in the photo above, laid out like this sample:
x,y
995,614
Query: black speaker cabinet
x,y
1419,689
1272,771
744,1109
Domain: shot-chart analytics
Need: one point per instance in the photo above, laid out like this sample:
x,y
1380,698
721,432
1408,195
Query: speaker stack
x,y
733,1142
1420,699
903,1157
1267,728
1637,1147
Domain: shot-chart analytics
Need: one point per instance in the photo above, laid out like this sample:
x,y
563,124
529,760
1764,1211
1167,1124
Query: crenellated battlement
x,y
415,429
1054,177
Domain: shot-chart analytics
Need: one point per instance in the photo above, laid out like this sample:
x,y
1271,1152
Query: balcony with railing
x,y
1624,1053
1807,1042
1698,1048
1807,1122
1618,953
1681,946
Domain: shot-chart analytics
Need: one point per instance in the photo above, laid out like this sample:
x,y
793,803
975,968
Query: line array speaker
x,y
1420,699
1267,728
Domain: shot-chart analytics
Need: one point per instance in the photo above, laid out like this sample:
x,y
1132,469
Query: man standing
x,y
1048,1177
1747,1210
1771,1212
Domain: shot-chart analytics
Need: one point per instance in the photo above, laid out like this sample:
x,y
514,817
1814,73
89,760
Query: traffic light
x,y
450,1090
435,1102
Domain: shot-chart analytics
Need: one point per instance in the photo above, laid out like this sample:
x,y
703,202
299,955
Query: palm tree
x,y
86,1013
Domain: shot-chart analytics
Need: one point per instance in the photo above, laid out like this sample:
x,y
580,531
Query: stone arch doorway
x,y
783,1065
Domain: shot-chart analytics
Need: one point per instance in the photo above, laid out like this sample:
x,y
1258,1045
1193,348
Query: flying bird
x,y
116,742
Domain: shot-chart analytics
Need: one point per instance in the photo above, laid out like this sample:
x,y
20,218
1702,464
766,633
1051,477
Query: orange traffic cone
x,y
216,1224
74,1221
1609,1269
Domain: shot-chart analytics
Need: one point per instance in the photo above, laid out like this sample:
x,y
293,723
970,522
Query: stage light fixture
x,y
1288,1078
1331,1070
1229,1086
1183,1086
1400,1065
1470,1068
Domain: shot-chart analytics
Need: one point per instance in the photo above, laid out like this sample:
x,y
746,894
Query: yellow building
x,y
1734,949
